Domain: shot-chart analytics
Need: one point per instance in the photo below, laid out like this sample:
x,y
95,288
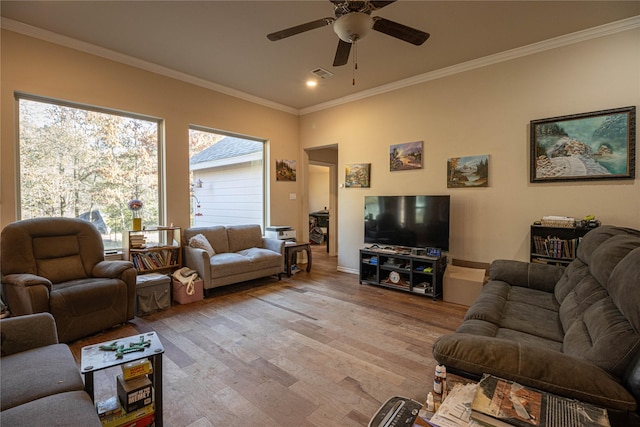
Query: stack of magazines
x,y
495,402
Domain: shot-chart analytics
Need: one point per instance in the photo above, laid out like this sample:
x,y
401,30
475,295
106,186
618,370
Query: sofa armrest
x,y
533,366
111,269
275,245
24,279
122,270
26,293
27,332
542,277
200,261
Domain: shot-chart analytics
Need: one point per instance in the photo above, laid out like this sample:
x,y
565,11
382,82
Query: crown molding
x,y
568,39
49,36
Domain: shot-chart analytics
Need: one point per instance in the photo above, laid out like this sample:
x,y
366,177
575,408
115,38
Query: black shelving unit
x,y
411,273
555,245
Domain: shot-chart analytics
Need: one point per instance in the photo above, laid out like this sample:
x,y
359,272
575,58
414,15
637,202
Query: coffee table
x,y
291,249
93,359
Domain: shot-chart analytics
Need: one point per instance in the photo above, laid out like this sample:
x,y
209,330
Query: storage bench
x,y
153,293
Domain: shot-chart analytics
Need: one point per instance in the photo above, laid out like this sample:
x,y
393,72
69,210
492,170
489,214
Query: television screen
x,y
412,221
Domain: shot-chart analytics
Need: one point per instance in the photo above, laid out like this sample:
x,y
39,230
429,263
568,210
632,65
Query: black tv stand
x,y
400,270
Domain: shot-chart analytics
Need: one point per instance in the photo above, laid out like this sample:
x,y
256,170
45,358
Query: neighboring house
x,y
228,183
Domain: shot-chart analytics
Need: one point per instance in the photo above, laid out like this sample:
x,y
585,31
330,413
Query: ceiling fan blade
x,y
279,35
399,31
380,4
342,53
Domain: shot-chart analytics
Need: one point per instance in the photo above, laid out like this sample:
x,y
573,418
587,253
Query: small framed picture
x,y
405,156
285,170
358,175
470,171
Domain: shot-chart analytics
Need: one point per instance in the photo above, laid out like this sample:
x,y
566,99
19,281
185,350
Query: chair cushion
x,y
244,237
37,373
262,258
216,236
228,264
84,308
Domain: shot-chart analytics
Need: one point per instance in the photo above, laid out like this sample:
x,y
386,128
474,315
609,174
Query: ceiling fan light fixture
x,y
353,26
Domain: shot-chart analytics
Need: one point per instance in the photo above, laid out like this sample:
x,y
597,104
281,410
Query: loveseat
x,y
57,265
223,255
40,383
573,331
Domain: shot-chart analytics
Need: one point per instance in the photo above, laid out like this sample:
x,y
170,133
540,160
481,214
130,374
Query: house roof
x,y
227,148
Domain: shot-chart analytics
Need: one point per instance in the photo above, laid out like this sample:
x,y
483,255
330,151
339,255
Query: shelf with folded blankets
x,y
157,249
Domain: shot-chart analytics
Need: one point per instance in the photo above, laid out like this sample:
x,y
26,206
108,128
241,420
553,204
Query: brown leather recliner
x,y
57,265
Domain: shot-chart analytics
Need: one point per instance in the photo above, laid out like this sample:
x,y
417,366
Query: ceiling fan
x,y
352,22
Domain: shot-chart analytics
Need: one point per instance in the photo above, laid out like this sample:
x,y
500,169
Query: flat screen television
x,y
411,221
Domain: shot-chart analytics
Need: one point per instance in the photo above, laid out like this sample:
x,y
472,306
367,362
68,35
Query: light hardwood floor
x,y
316,349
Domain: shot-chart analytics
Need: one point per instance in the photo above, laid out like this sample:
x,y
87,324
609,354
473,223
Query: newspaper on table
x,y
455,410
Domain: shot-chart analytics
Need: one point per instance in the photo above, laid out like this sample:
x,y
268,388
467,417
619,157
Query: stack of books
x,y
137,241
496,402
133,405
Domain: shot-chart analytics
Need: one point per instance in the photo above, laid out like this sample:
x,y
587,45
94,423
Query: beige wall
x,y
318,188
37,67
485,111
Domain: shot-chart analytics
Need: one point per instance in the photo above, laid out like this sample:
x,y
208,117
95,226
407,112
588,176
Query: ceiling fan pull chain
x,y
355,61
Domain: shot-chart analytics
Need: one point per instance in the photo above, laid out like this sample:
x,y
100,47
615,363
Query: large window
x,y
227,176
82,162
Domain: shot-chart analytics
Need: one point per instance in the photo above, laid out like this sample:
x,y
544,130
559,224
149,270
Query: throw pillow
x,y
201,242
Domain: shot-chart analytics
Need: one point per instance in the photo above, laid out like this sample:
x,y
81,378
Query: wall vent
x,y
322,73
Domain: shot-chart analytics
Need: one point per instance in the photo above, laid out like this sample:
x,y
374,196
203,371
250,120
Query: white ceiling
x,y
224,42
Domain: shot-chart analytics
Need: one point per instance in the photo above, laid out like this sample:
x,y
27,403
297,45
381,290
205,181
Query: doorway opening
x,y
322,197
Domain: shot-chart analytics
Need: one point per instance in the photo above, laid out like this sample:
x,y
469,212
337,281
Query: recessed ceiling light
x,y
312,83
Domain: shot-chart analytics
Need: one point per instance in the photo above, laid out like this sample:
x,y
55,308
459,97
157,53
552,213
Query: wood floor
x,y
316,349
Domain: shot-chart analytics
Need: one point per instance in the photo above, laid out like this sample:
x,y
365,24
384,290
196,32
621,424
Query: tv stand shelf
x,y
411,273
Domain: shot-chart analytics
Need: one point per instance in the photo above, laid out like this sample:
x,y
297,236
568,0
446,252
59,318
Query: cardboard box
x,y
135,393
135,418
137,368
462,284
180,294
146,421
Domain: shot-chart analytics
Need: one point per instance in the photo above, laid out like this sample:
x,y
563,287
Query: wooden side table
x,y
291,249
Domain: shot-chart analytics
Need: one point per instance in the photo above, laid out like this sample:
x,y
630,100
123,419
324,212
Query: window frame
x,y
160,149
265,169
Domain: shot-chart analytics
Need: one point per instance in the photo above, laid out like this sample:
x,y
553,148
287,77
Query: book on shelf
x,y
499,402
137,241
555,247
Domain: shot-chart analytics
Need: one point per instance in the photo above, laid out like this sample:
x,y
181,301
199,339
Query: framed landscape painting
x,y
470,171
589,146
285,170
358,175
405,156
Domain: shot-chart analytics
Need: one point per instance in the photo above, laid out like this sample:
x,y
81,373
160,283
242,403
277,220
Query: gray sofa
x,y
240,253
40,383
573,331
